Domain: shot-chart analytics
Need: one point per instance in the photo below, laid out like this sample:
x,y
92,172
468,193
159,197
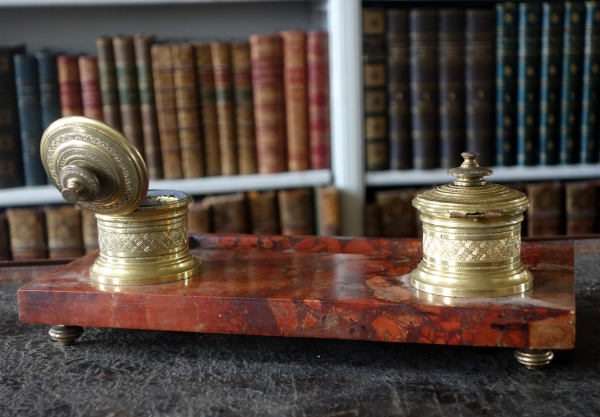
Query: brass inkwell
x,y
142,235
471,236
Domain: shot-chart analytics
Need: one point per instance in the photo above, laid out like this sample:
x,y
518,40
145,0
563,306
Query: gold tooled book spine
x,y
397,213
264,216
63,228
328,211
297,212
27,233
199,217
90,87
229,213
108,82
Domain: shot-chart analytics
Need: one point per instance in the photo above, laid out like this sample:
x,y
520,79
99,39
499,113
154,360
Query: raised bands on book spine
x,y
108,82
590,100
69,86
296,211
48,83
90,87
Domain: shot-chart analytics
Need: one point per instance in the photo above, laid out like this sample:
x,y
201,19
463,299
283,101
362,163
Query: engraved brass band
x,y
147,246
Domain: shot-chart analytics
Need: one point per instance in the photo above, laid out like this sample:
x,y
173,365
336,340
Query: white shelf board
x,y
501,174
48,194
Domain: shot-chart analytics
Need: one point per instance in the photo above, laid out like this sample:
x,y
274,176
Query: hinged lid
x,y
94,165
470,196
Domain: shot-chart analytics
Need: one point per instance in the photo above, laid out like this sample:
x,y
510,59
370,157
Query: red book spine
x,y
296,98
269,103
69,86
318,100
90,87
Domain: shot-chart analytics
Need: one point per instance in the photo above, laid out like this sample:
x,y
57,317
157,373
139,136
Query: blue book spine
x,y
570,114
550,82
30,118
528,78
590,101
48,83
506,83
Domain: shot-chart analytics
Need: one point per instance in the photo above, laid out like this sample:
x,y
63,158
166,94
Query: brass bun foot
x,y
534,358
65,335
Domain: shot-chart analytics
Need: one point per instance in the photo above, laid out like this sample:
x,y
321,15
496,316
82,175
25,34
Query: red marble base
x,y
354,289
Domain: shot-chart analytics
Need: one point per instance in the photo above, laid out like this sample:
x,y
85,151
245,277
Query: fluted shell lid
x,y
470,195
94,165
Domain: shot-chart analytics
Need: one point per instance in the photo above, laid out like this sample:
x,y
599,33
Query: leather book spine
x,y
4,238
328,211
188,117
570,112
296,212
318,99
108,82
63,228
375,90
199,217
208,104
143,62
451,76
424,92
398,216
264,213
241,67
229,213
221,59
90,87
528,81
127,85
550,82
269,103
398,89
89,230
372,220
48,84
589,148
166,110
480,89
581,206
545,216
69,86
27,233
295,84
30,118
506,83
11,170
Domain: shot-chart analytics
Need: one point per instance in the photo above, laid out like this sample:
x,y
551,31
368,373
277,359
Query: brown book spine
x,y
90,87
129,97
229,212
4,238
241,67
188,118
269,104
208,104
27,237
398,216
545,216
296,98
143,62
63,228
582,207
221,59
69,86
318,100
108,82
199,217
264,216
372,220
89,230
166,110
328,203
296,212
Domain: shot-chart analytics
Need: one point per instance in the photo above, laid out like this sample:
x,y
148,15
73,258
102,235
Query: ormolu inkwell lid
x,y
471,236
142,235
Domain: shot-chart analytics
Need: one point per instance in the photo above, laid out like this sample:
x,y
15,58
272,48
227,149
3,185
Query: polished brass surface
x,y
65,335
471,236
94,165
534,358
147,246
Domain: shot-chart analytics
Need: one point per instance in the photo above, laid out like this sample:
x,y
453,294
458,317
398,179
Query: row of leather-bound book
x,y
556,209
66,231
516,82
192,109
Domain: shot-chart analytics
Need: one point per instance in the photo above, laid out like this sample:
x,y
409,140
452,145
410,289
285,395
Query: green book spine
x,y
590,101
570,113
550,82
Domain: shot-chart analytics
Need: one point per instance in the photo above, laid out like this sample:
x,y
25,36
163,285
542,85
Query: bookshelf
x,y
72,26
